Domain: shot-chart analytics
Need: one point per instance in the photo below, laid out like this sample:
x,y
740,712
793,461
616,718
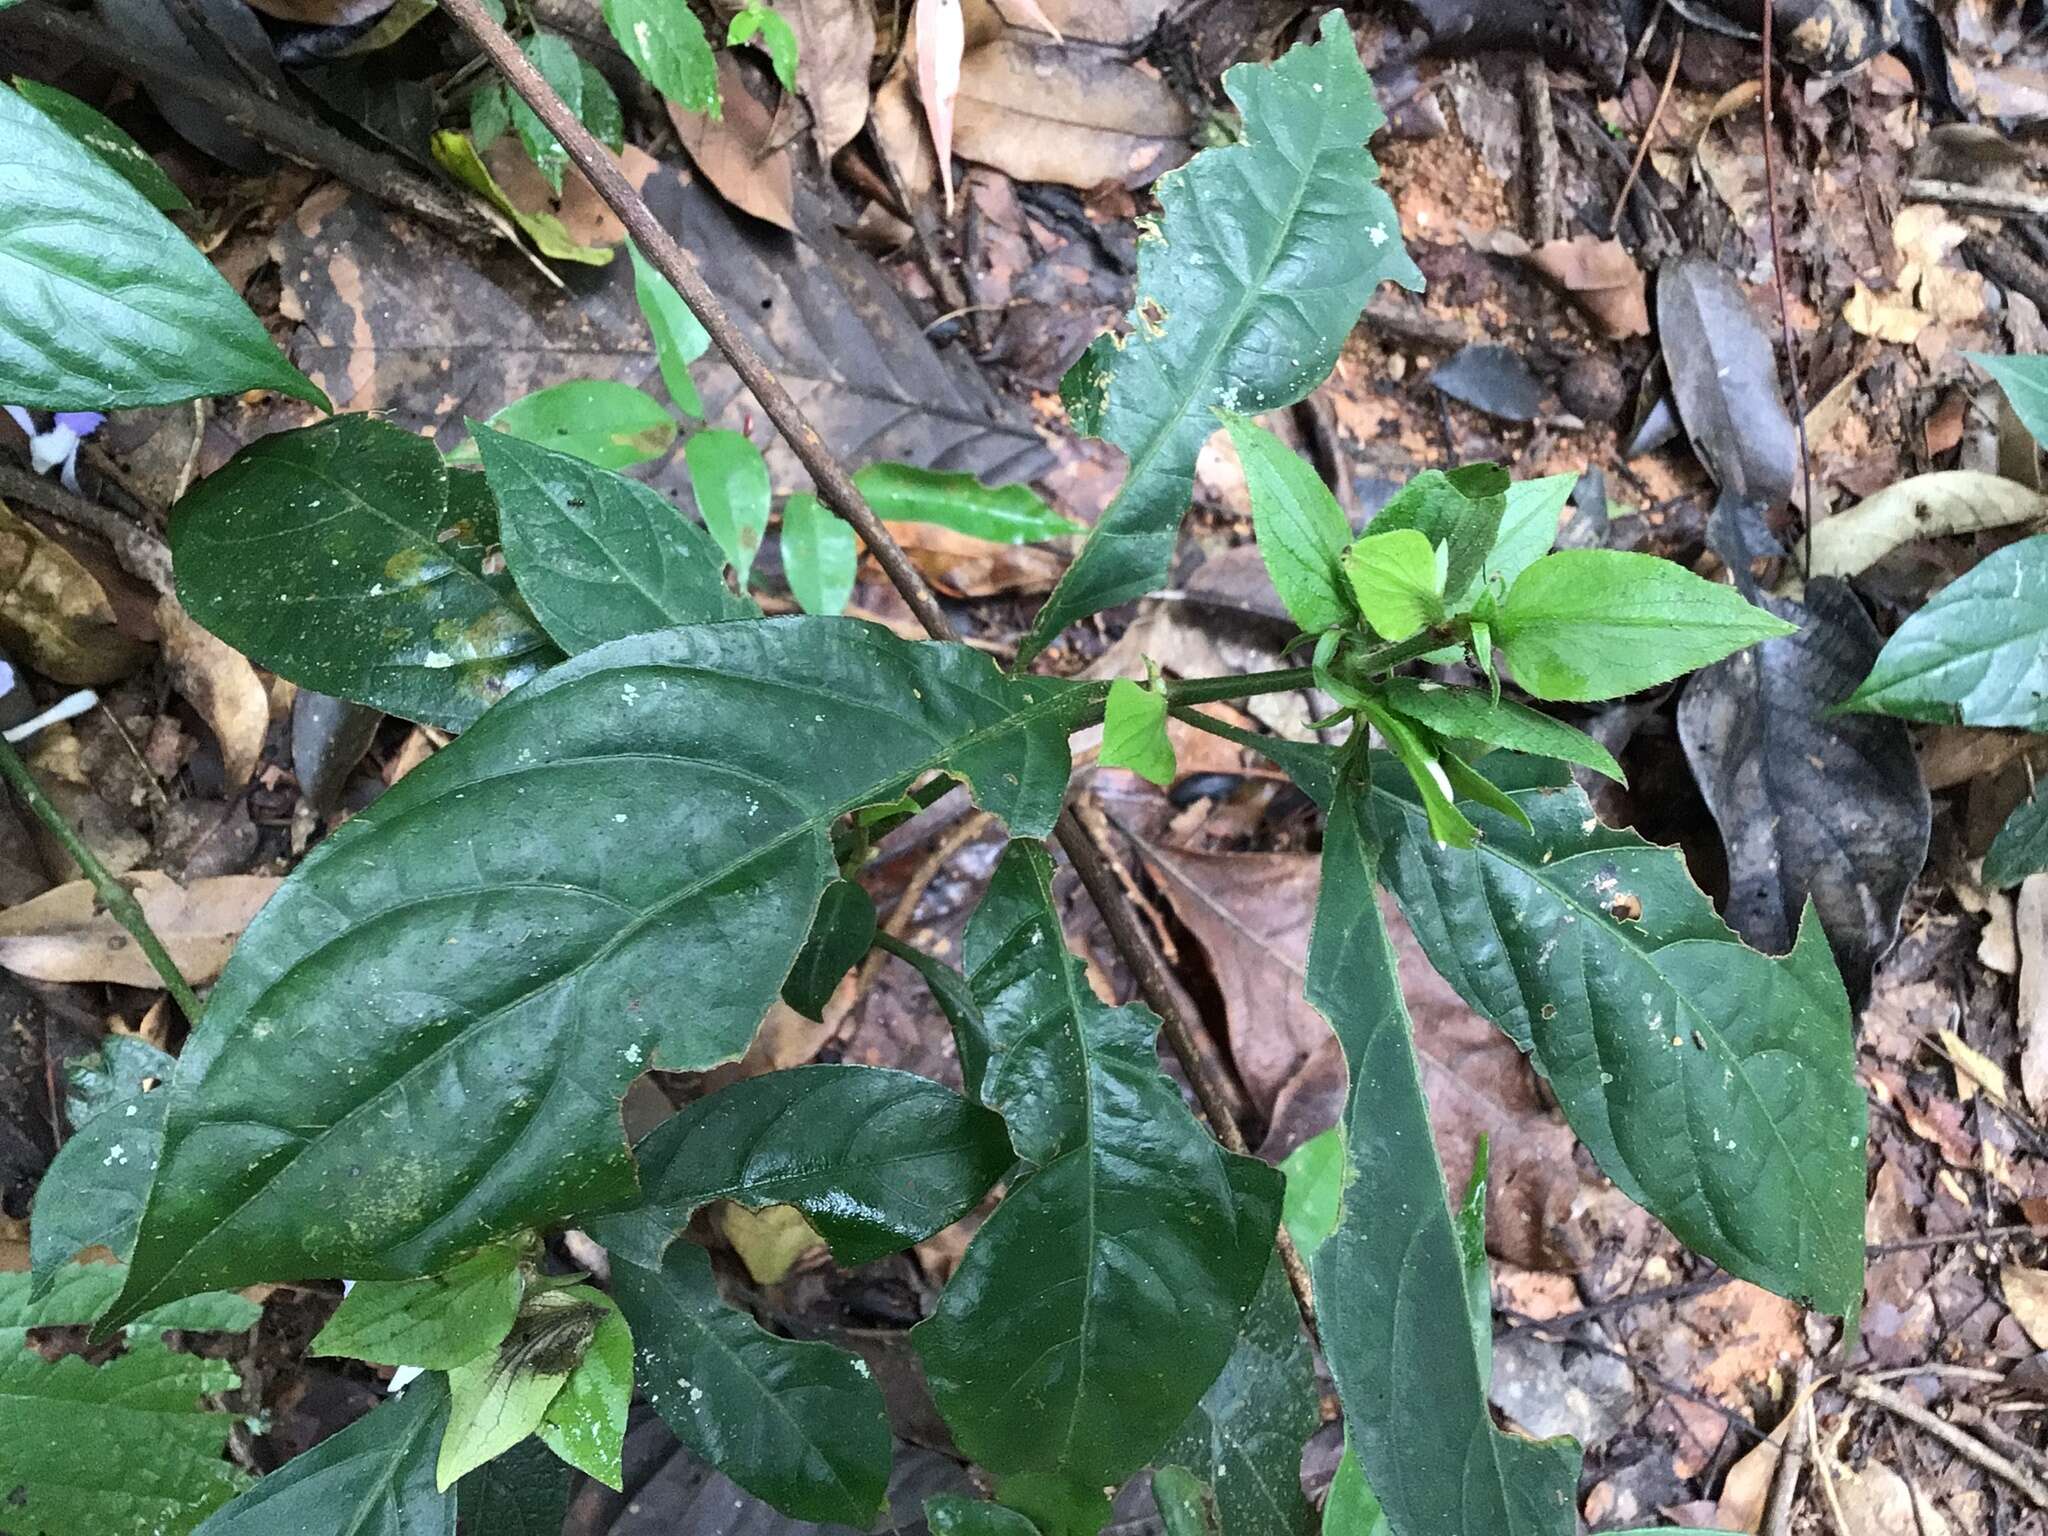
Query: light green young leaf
x,y
797,1424
1315,1180
359,521
1977,654
1587,624
1459,511
1350,1509
820,554
1397,582
757,21
679,339
600,557
952,1514
1301,531
2025,382
1528,528
2021,847
666,43
551,54
1003,514
94,1189
1134,732
841,935
374,1478
1465,714
599,421
456,155
492,951
586,1423
876,1160
1187,1505
104,305
105,138
500,1398
1267,252
439,1323
1428,768
730,480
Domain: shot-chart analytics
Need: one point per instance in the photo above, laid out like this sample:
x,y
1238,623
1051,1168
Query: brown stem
x,y
141,553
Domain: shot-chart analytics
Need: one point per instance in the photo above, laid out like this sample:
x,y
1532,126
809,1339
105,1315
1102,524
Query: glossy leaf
x,y
438,1323
1093,1310
600,421
456,155
1397,581
1390,1280
321,554
1002,514
600,110
2025,382
1587,624
729,478
758,23
420,1041
797,1424
1465,714
586,1423
1302,533
820,554
679,339
2021,847
104,305
550,54
876,1160
841,935
600,557
1460,512
374,1478
1266,254
524,1492
94,1189
105,138
666,43
1134,732
1977,654
1528,526
952,1514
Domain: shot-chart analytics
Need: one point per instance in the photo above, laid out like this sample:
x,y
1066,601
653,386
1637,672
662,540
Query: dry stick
x,y
141,553
837,490
1967,1446
1784,299
1649,132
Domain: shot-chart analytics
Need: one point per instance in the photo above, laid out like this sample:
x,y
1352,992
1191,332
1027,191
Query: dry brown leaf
x,y
1876,1499
1975,1072
962,566
835,49
54,614
218,681
582,212
2030,925
1040,112
2026,1293
1602,279
60,936
734,151
1948,502
1747,1488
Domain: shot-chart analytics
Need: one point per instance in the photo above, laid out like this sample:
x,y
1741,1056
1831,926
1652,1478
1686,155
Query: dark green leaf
x,y
1302,532
666,43
1267,252
679,340
2021,847
1587,624
440,1322
1390,1280
122,1067
1350,1509
1004,514
758,22
1095,1307
2025,382
797,1424
1528,528
1465,714
419,1042
105,138
550,53
586,1423
375,1478
952,1514
525,1492
1460,512
94,1189
601,112
1977,654
600,557
876,1160
103,303
318,553
819,554
842,932
729,478
1134,732
600,421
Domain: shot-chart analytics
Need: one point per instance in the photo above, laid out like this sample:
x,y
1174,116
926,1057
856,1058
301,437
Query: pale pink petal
x,y
941,42
1033,16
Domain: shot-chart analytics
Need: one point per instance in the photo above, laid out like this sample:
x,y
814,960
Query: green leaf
x,y
456,155
419,1042
1396,581
104,305
1428,769
1350,1509
346,521
1003,514
2025,382
1267,252
94,1189
121,1067
1977,654
1315,1179
1460,512
1390,1281
1588,624
1465,714
374,1478
490,114
599,421
600,111
1715,1085
525,1492
1528,528
1244,1439
1302,532
2021,847
819,554
586,1423
439,1323
876,1160
598,556
799,1425
1187,1505
122,1449
498,1399
1097,1304
952,1514
841,934
550,53
1134,732
730,480
105,138
757,21
679,338
666,43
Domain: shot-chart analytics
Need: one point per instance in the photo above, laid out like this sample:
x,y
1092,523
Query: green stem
x,y
1246,685
114,896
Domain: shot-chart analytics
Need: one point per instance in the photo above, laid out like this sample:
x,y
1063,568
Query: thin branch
x,y
141,553
1965,1445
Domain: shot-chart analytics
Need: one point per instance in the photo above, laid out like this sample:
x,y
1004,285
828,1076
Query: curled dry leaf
x,y
1955,501
1038,112
54,614
63,936
941,41
1602,279
736,151
218,681
961,566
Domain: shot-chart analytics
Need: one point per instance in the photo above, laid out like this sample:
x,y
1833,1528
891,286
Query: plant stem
x,y
1209,690
114,896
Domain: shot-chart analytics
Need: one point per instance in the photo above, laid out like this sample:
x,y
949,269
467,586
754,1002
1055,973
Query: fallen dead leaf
x,y
62,936
940,43
769,1241
1747,1488
1875,1498
218,681
2031,929
835,47
962,566
1602,279
54,614
735,151
1040,112
1975,1071
2026,1293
